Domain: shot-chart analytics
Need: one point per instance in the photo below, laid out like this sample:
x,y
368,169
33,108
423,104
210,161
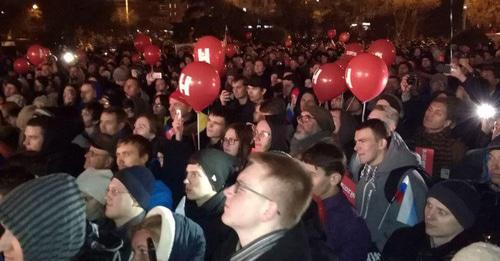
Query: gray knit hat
x,y
47,216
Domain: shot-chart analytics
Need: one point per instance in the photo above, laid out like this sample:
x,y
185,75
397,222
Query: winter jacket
x,y
371,201
488,220
347,233
412,243
208,216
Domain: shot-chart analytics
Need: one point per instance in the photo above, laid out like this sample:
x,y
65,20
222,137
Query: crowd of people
x,y
104,159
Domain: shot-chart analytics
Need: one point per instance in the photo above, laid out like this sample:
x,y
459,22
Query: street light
x,y
34,7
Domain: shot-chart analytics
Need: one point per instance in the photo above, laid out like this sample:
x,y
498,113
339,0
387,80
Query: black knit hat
x,y
460,198
217,165
393,101
104,142
47,216
322,117
139,182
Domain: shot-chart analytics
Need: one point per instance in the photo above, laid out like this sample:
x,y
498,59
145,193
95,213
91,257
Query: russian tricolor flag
x,y
407,212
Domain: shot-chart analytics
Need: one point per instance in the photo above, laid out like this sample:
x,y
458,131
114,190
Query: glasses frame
x,y
237,185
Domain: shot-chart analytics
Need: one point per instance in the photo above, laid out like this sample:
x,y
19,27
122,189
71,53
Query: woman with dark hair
x,y
270,134
160,108
237,141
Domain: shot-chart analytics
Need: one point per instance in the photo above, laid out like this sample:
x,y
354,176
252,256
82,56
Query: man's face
x,y
435,118
109,124
216,126
93,208
87,93
239,89
259,68
494,166
97,159
426,63
131,88
119,202
127,155
240,198
307,125
322,184
255,94
9,90
33,138
367,146
87,118
160,85
439,221
197,185
176,104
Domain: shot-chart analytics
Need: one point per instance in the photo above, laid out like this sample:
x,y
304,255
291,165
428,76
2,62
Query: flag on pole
x,y
407,212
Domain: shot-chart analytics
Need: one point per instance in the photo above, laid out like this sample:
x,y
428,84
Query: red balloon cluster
x,y
199,82
366,75
37,54
328,82
141,41
344,37
331,33
152,54
210,50
21,65
384,49
353,49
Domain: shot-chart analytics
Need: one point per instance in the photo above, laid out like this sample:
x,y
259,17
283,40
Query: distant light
x,y
147,31
68,57
485,111
34,6
258,26
354,25
317,1
465,7
244,9
366,24
249,27
138,31
166,31
2,12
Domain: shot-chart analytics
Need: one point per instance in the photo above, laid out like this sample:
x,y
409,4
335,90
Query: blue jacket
x,y
189,242
346,232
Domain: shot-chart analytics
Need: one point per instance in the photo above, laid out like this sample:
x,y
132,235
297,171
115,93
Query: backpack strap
x,y
392,184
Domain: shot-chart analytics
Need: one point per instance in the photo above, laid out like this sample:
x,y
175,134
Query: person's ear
x,y
264,90
271,211
335,179
448,123
382,144
109,162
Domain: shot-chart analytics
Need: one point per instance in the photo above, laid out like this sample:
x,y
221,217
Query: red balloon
x,y
366,75
343,62
152,54
210,50
331,33
344,37
36,54
353,49
248,35
141,41
231,50
384,49
199,82
21,65
328,82
136,58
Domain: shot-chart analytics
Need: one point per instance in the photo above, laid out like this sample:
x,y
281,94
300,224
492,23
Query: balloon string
x,y
451,28
342,101
350,103
364,111
198,128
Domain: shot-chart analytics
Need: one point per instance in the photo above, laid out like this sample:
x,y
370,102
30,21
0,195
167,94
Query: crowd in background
x,y
104,159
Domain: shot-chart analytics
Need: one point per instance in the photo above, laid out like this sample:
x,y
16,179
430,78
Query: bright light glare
x,y
68,57
485,111
35,6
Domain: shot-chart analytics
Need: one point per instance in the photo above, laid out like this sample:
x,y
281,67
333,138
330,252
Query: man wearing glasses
x,y
264,207
315,124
